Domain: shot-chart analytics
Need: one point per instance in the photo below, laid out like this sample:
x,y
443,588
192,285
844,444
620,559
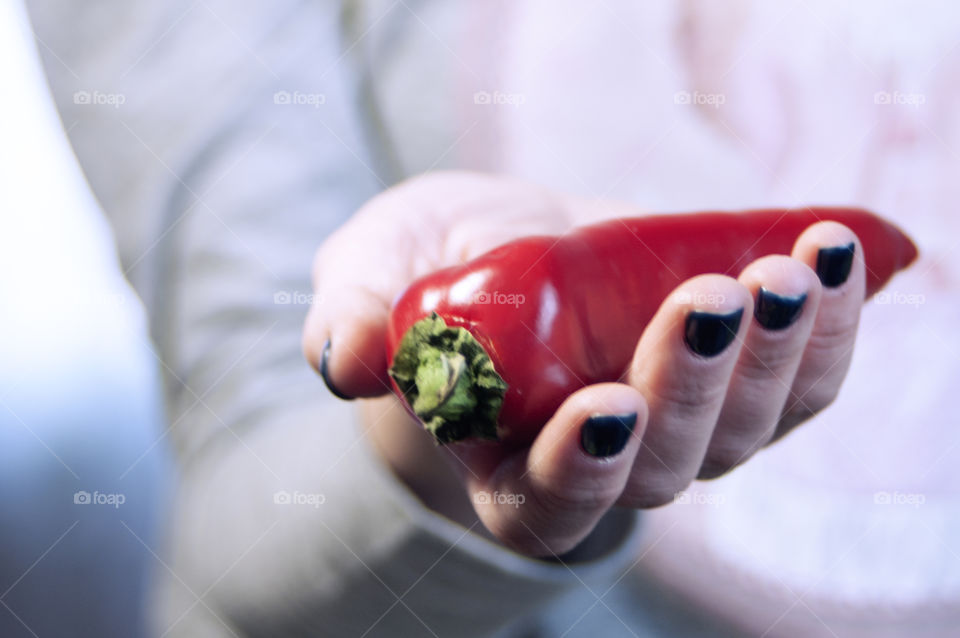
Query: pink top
x,y
682,106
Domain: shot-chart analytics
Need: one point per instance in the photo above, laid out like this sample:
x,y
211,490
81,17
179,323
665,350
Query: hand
x,y
676,416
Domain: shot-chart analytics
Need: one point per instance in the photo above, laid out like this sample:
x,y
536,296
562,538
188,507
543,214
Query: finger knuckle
x,y
713,470
817,399
720,461
834,333
530,545
795,415
719,464
520,539
687,398
803,410
539,536
646,493
768,364
822,397
585,495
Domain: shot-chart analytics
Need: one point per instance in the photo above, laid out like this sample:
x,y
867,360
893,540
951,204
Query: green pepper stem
x,y
449,381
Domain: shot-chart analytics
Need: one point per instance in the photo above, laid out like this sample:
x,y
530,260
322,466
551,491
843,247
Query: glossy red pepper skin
x,y
558,313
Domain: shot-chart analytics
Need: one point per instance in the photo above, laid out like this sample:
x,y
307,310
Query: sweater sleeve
x,y
236,147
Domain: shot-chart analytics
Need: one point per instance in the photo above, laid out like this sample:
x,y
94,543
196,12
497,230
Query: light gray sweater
x,y
225,142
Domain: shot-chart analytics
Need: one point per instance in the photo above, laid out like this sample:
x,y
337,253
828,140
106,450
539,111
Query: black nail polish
x,y
778,312
607,434
834,264
324,373
709,334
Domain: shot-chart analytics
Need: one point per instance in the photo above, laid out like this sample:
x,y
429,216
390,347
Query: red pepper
x,y
491,348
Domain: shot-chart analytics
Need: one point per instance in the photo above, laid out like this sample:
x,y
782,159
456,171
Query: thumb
x,y
346,345
357,272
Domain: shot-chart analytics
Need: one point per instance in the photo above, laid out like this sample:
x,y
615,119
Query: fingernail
x,y
778,312
834,264
605,435
325,373
709,334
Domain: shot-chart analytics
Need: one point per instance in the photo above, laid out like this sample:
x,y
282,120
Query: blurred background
x,y
84,470
851,527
